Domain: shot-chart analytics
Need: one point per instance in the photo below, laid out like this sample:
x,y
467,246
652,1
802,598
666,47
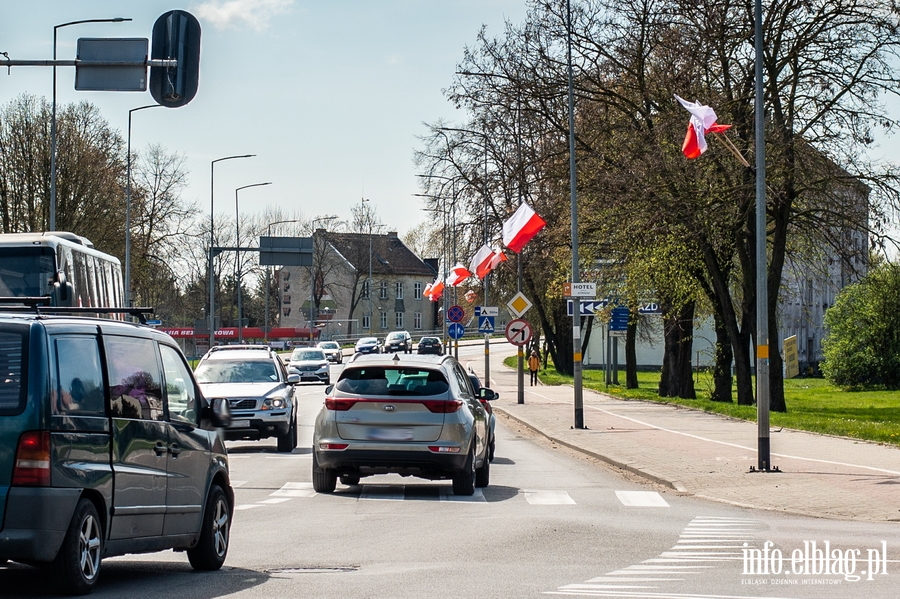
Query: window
x,y
398,287
384,320
79,379
134,378
398,320
417,320
365,290
417,290
366,322
180,393
382,290
13,362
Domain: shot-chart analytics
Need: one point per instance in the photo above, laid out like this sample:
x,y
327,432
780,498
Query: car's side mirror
x,y
487,394
218,412
293,379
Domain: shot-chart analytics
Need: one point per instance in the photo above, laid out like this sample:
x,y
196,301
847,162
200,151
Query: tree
x,y
862,347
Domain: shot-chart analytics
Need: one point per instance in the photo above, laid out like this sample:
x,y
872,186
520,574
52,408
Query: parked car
x,y
398,341
368,345
259,390
430,345
310,364
492,420
409,415
332,351
109,448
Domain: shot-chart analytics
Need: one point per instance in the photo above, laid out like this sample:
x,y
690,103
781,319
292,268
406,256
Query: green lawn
x,y
813,404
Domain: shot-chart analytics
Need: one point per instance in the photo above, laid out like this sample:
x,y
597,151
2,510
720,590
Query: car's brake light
x,y
334,446
339,404
32,467
442,406
443,449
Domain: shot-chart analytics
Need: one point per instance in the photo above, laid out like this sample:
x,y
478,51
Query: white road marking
x,y
548,498
238,483
641,499
295,490
275,500
246,506
477,497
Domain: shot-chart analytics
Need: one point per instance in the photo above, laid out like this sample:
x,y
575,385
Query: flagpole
x,y
576,304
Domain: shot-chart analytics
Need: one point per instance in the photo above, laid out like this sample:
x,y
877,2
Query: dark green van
x,y
107,447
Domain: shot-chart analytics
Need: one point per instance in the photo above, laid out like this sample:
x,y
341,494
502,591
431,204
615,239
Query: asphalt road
x,y
551,522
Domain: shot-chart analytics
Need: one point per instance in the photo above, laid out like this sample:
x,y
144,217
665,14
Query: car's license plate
x,y
240,424
391,434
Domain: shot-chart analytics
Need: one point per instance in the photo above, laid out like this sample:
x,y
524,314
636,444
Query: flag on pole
x,y
481,263
497,258
426,293
437,289
521,227
458,274
703,121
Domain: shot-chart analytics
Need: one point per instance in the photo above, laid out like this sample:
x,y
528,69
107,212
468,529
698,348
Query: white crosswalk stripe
x,y
641,499
548,498
705,543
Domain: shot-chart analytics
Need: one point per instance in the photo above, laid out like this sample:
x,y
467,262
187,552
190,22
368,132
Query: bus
x,y
61,265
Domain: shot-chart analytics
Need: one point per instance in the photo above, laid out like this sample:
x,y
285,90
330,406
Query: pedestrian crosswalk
x,y
706,543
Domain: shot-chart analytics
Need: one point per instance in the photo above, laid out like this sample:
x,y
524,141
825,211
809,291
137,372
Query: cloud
x,y
224,14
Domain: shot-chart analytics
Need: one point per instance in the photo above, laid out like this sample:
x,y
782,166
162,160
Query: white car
x,y
310,363
332,351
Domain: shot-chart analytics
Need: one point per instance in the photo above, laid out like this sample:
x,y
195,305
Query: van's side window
x,y
79,378
134,378
180,394
13,350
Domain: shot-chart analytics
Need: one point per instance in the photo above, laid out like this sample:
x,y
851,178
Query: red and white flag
x,y
426,293
497,258
481,263
458,274
521,227
437,289
703,121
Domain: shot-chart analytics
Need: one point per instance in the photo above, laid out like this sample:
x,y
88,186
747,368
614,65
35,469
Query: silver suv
x,y
409,415
259,390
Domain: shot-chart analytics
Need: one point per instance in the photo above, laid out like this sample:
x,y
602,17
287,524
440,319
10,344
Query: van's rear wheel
x,y
77,565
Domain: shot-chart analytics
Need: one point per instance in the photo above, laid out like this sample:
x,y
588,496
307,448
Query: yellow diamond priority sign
x,y
519,304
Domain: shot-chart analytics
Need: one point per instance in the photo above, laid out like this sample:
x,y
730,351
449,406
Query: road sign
x,y
485,324
487,311
131,76
579,290
618,320
456,330
154,323
455,314
518,332
176,35
519,304
588,307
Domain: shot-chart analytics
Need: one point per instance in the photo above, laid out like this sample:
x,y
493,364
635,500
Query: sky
x,y
331,96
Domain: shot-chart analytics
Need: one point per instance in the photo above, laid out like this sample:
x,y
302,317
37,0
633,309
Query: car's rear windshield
x,y
236,371
307,355
13,368
382,380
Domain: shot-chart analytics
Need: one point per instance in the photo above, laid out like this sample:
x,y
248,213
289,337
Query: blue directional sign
x,y
485,324
154,323
590,306
456,330
619,319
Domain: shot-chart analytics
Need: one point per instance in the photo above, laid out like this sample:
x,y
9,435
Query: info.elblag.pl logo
x,y
814,563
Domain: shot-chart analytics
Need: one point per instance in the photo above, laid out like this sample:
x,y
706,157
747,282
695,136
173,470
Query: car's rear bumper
x,y
417,462
257,428
35,522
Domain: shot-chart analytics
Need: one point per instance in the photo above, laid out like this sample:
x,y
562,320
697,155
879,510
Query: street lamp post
x,y
53,114
268,270
312,275
212,242
237,261
128,208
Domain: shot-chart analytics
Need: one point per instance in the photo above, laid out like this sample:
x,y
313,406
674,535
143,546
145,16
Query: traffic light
x,y
176,35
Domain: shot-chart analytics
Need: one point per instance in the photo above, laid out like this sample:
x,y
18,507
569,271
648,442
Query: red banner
x,y
248,333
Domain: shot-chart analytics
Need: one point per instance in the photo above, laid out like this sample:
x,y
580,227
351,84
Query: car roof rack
x,y
40,305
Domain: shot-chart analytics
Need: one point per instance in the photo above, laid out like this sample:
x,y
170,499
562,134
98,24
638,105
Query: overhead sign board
x,y
519,304
103,76
580,290
285,251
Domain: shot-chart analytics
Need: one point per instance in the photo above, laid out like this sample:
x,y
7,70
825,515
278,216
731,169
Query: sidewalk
x,y
710,456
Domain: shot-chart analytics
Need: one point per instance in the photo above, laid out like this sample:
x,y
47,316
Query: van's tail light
x,y
339,404
443,406
32,468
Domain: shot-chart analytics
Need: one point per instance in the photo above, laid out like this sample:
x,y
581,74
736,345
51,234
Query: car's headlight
x,y
323,368
274,403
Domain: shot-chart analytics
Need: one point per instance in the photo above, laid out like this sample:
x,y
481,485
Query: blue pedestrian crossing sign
x,y
485,324
456,330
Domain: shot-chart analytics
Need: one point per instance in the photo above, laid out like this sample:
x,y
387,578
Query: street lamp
x,y
266,317
312,275
53,114
212,243
128,208
237,261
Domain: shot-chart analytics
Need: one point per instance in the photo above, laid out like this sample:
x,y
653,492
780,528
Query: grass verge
x,y
813,404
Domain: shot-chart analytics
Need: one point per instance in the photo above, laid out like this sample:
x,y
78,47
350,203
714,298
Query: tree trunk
x,y
722,379
631,380
677,375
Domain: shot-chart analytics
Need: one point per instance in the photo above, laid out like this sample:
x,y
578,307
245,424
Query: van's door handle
x,y
174,450
160,449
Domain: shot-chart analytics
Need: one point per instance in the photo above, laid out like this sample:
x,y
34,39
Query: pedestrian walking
x,y
534,364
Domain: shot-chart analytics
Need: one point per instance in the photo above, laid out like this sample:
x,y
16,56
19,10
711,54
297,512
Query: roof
x,y
390,256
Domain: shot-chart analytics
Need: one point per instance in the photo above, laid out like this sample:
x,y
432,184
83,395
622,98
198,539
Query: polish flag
x,y
481,263
426,293
458,274
521,227
437,289
703,121
497,258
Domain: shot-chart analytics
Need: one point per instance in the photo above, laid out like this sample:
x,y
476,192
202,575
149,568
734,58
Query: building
x,y
365,284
